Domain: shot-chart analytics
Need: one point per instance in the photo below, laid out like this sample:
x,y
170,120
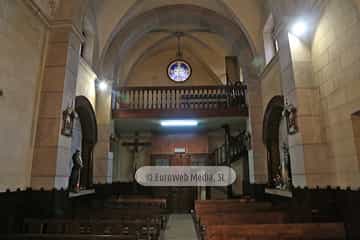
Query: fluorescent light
x,y
103,85
179,123
299,28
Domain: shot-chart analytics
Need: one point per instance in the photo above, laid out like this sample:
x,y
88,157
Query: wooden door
x,y
181,199
87,170
181,160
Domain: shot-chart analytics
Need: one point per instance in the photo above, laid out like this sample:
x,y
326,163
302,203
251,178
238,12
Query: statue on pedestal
x,y
74,180
282,179
286,169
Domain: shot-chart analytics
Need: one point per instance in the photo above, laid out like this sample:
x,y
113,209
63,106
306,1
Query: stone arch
x,y
272,127
272,115
88,123
126,37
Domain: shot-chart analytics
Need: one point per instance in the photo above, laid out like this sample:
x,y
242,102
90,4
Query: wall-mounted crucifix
x,y
134,146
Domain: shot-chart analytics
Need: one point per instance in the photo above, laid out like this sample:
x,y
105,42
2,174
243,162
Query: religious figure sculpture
x,y
282,179
68,121
246,139
290,112
74,181
286,167
278,181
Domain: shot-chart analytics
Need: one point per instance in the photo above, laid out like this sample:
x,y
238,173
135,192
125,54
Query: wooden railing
x,y
237,147
182,97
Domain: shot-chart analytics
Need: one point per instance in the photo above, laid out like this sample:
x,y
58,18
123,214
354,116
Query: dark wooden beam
x,y
179,113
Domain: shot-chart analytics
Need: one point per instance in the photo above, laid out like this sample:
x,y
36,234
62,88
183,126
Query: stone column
x,y
102,161
257,154
52,156
310,165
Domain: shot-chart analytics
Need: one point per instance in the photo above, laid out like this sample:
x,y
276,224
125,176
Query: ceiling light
x,y
103,85
179,123
299,28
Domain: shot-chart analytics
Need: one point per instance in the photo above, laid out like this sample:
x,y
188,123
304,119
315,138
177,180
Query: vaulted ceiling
x,y
211,32
129,31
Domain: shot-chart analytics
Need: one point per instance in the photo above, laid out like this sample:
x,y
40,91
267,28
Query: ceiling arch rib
x,y
164,17
151,71
113,15
214,68
210,57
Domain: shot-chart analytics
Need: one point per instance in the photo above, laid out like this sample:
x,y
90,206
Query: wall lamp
x,y
299,28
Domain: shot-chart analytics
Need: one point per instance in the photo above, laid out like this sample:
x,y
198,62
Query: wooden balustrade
x,y
237,147
179,98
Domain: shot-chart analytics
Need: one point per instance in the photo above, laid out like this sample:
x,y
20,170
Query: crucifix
x,y
136,144
135,149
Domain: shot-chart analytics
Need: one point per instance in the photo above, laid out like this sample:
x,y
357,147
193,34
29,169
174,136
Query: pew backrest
x,y
313,231
137,227
224,207
135,201
243,218
67,237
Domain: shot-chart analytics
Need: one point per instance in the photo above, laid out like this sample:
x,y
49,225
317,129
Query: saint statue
x,y
68,121
290,113
282,179
74,181
286,167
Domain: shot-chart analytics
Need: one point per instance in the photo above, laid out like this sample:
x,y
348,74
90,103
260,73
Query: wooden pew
x,y
231,207
226,201
239,218
152,215
66,237
142,229
243,218
143,218
303,231
234,211
204,203
111,213
138,201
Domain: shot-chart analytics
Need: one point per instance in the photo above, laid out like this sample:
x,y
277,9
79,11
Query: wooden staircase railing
x,y
238,146
179,98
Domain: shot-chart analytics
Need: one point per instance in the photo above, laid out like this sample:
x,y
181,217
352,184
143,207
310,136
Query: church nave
x,y
181,119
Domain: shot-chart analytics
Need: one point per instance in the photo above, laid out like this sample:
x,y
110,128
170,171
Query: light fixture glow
x,y
179,123
299,28
103,85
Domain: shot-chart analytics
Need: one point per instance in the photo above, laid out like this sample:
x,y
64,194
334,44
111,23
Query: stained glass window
x,y
179,71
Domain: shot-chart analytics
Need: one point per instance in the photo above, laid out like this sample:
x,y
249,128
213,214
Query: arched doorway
x,y
275,140
85,138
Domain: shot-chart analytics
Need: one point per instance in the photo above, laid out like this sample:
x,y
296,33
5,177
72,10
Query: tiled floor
x,y
180,227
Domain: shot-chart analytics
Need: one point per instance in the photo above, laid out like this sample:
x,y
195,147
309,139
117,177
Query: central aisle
x,y
180,227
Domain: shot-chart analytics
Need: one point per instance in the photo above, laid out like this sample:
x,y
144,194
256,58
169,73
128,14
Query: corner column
x,y
257,153
52,156
310,165
102,157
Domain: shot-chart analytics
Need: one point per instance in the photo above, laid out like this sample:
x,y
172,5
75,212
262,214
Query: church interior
x,y
93,93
